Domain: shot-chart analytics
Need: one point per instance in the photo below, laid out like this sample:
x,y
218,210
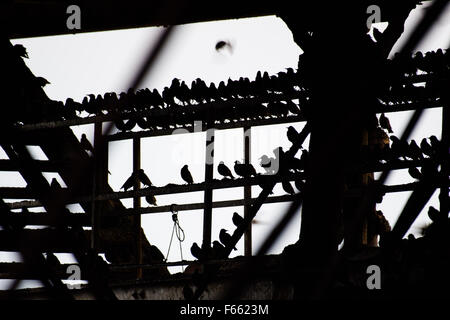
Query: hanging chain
x,y
179,233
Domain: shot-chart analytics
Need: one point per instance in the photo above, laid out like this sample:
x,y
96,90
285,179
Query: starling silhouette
x,y
225,238
220,45
151,199
196,251
292,134
435,143
244,170
299,184
217,249
434,214
385,124
399,147
266,163
143,178
85,144
426,147
414,150
130,181
20,51
42,82
224,170
415,173
287,187
237,219
186,175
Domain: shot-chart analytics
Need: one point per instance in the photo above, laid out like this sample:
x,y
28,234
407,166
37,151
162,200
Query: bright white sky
x,y
77,65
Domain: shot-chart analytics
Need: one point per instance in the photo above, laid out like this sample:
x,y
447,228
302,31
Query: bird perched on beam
x,y
224,170
143,177
237,219
186,175
426,147
197,252
129,183
415,173
225,238
287,187
42,82
150,198
217,250
434,214
414,151
385,123
20,51
292,134
244,170
85,144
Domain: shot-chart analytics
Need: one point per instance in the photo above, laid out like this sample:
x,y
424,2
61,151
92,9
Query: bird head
x,y
185,166
221,162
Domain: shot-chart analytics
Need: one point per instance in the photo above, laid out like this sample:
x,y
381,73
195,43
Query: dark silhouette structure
x,y
343,97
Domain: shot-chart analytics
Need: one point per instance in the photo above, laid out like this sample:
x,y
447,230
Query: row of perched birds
x,y
430,147
430,62
271,165
217,251
179,94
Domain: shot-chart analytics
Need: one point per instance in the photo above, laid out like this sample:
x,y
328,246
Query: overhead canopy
x,y
34,18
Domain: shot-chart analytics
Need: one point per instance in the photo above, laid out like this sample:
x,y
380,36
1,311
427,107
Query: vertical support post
x,y
208,197
247,192
137,203
96,184
444,200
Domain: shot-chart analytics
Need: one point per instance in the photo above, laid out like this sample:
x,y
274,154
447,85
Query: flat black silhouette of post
x,y
445,166
247,193
137,204
208,196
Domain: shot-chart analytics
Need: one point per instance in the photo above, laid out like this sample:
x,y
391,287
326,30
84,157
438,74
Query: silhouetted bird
x,y
42,82
222,45
143,178
224,170
299,184
287,187
186,175
244,170
217,249
435,143
237,219
399,148
385,124
20,51
415,173
426,147
85,144
129,183
414,150
197,252
434,214
225,238
151,199
268,164
292,134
